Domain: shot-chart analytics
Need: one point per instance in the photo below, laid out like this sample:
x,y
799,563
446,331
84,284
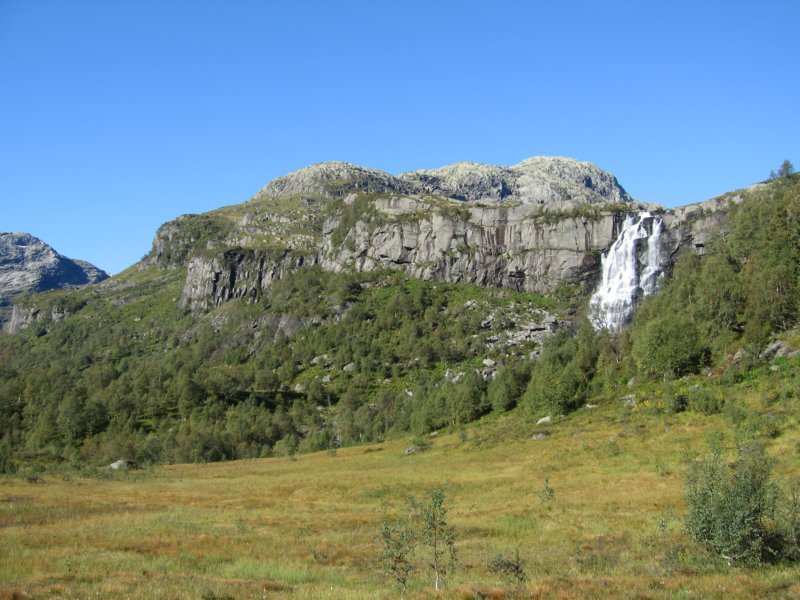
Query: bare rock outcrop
x,y
543,180
239,273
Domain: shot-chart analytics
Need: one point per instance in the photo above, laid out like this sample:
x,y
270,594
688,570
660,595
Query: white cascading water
x,y
625,280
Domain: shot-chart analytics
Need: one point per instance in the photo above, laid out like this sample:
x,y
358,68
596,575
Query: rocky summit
x,y
28,265
556,182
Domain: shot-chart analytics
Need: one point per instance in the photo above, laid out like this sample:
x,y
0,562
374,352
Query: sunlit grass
x,y
308,526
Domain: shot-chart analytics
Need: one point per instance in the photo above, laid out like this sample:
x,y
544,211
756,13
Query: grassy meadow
x,y
308,526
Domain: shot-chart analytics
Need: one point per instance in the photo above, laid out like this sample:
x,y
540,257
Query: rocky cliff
x,y
531,227
28,265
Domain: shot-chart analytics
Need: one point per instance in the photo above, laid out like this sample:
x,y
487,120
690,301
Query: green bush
x,y
286,446
705,401
731,508
669,345
511,569
397,551
560,378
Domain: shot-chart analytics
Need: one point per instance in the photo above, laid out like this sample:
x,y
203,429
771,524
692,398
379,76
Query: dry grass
x,y
307,527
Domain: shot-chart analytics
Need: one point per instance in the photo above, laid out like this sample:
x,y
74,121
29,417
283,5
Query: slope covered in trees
x,y
322,360
328,359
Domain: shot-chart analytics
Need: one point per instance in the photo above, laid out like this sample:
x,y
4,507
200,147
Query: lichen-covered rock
x,y
334,179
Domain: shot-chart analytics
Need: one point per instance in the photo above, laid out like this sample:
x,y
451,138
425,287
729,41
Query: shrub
x,y
511,569
731,507
398,542
400,539
547,493
705,401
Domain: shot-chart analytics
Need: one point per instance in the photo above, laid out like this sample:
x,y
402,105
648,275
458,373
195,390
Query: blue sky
x,y
116,116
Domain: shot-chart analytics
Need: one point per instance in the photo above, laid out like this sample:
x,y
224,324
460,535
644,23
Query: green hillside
x,y
322,360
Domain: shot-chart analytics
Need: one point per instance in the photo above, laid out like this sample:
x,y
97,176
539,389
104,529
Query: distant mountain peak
x,y
332,179
536,180
29,265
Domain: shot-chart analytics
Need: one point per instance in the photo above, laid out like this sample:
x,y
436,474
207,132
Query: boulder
x,y
122,463
322,359
778,349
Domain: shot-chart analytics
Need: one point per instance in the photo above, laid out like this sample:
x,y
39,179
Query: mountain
x,y
531,227
28,265
557,368
342,304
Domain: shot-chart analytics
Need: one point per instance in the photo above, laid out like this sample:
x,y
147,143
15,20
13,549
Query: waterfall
x,y
627,278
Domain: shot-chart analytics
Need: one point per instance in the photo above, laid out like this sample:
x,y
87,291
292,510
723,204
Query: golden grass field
x,y
308,527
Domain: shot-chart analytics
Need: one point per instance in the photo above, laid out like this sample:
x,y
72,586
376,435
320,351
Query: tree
x,y
438,536
786,169
669,345
467,399
505,390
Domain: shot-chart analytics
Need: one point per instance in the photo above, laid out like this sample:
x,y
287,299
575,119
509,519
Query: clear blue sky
x,y
116,116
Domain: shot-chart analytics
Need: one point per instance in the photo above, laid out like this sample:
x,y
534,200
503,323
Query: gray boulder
x,y
778,349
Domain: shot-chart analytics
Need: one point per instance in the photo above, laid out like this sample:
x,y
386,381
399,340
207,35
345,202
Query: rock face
x,y
493,247
28,265
516,247
211,281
